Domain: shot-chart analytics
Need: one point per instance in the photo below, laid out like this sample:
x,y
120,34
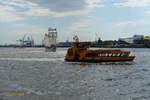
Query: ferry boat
x,y
81,52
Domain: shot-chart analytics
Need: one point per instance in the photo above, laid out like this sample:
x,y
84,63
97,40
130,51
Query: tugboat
x,y
80,52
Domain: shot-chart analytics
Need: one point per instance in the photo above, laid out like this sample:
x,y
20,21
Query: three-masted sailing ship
x,y
50,39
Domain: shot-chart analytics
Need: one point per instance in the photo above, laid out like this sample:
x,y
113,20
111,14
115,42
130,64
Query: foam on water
x,y
33,59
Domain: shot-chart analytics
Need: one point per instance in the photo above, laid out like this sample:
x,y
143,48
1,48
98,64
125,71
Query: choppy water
x,y
45,76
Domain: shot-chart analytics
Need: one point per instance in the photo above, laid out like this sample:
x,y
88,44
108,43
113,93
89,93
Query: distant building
x,y
147,41
147,38
135,39
126,40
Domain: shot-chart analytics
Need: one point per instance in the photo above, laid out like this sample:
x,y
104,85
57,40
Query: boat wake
x,y
34,59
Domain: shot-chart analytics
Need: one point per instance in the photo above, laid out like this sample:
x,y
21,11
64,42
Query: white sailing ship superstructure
x,y
50,39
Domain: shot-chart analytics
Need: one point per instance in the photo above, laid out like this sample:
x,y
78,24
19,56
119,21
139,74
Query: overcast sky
x,y
109,19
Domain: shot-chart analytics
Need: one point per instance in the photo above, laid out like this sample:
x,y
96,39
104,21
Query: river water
x,y
33,74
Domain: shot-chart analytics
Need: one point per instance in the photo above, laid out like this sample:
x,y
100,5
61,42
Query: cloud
x,y
63,8
95,3
131,23
47,12
61,5
38,12
133,3
147,12
68,5
18,3
9,14
13,10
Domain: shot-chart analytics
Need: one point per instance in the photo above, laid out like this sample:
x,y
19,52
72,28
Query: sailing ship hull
x,y
50,49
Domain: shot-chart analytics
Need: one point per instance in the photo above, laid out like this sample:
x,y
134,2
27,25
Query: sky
x,y
89,19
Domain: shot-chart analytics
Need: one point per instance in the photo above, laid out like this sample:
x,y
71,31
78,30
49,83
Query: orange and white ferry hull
x,y
103,59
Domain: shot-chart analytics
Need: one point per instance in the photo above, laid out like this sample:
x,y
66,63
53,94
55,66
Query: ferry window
x,y
79,45
103,54
125,55
110,54
70,52
120,54
92,55
100,54
107,54
115,55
